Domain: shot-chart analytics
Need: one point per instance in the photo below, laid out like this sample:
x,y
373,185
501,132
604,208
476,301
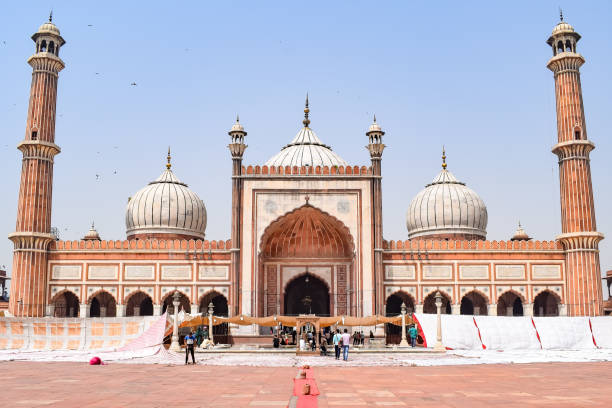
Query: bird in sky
x,y
133,84
89,25
97,177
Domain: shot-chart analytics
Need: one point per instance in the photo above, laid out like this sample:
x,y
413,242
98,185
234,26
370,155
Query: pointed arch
x,y
510,303
429,302
546,303
102,304
307,232
139,303
392,308
168,299
474,302
66,304
219,301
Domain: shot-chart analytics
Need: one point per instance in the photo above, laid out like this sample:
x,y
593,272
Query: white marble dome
x,y
166,207
48,28
447,208
562,27
306,149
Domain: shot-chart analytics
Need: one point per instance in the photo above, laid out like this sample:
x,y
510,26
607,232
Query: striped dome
x,y
166,206
306,149
447,208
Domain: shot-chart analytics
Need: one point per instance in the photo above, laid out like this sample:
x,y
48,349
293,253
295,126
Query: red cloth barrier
x,y
307,401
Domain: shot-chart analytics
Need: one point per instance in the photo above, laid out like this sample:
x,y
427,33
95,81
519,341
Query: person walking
x,y
413,332
337,340
189,346
346,341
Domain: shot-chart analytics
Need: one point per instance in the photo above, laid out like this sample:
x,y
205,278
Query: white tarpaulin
x,y
602,331
564,333
71,333
507,333
458,331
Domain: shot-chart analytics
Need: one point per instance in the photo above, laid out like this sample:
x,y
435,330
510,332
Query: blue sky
x,y
468,75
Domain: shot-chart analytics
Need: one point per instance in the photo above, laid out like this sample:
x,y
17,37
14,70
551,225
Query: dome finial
x,y
306,121
51,16
374,118
169,165
561,13
237,118
443,158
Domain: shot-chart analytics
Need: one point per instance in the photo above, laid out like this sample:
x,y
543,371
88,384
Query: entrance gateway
x,y
307,258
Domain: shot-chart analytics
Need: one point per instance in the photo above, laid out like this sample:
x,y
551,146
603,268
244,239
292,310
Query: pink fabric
x,y
153,336
95,361
346,339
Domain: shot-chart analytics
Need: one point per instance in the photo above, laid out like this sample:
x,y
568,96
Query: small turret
x,y
520,234
92,234
237,145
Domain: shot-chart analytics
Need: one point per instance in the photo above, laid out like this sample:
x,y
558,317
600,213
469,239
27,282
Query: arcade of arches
x,y
306,265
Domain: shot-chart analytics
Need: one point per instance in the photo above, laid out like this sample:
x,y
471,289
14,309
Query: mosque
x,y
306,231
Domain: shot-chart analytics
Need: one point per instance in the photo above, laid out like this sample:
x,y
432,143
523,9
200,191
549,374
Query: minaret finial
x,y
306,121
51,16
93,225
169,165
561,13
443,158
374,118
237,118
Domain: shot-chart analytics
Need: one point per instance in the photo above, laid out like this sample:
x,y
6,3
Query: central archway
x,y
307,294
306,255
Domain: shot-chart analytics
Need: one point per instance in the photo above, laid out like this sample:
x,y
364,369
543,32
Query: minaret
x,y
376,147
33,232
237,148
579,231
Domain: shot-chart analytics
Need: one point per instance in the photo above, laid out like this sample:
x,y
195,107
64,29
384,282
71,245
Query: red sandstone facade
x,y
305,236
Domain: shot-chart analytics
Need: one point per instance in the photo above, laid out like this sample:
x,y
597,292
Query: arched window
x,y
568,46
43,46
560,46
34,135
51,47
577,133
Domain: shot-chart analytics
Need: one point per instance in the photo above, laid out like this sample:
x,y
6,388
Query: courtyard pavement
x,y
70,384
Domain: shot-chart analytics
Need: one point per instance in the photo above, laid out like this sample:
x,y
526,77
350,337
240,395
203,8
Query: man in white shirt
x,y
346,340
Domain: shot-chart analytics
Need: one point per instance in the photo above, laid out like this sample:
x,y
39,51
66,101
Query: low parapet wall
x,y
162,244
431,244
307,171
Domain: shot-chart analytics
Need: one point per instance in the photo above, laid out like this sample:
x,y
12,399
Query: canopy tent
x,y
270,321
